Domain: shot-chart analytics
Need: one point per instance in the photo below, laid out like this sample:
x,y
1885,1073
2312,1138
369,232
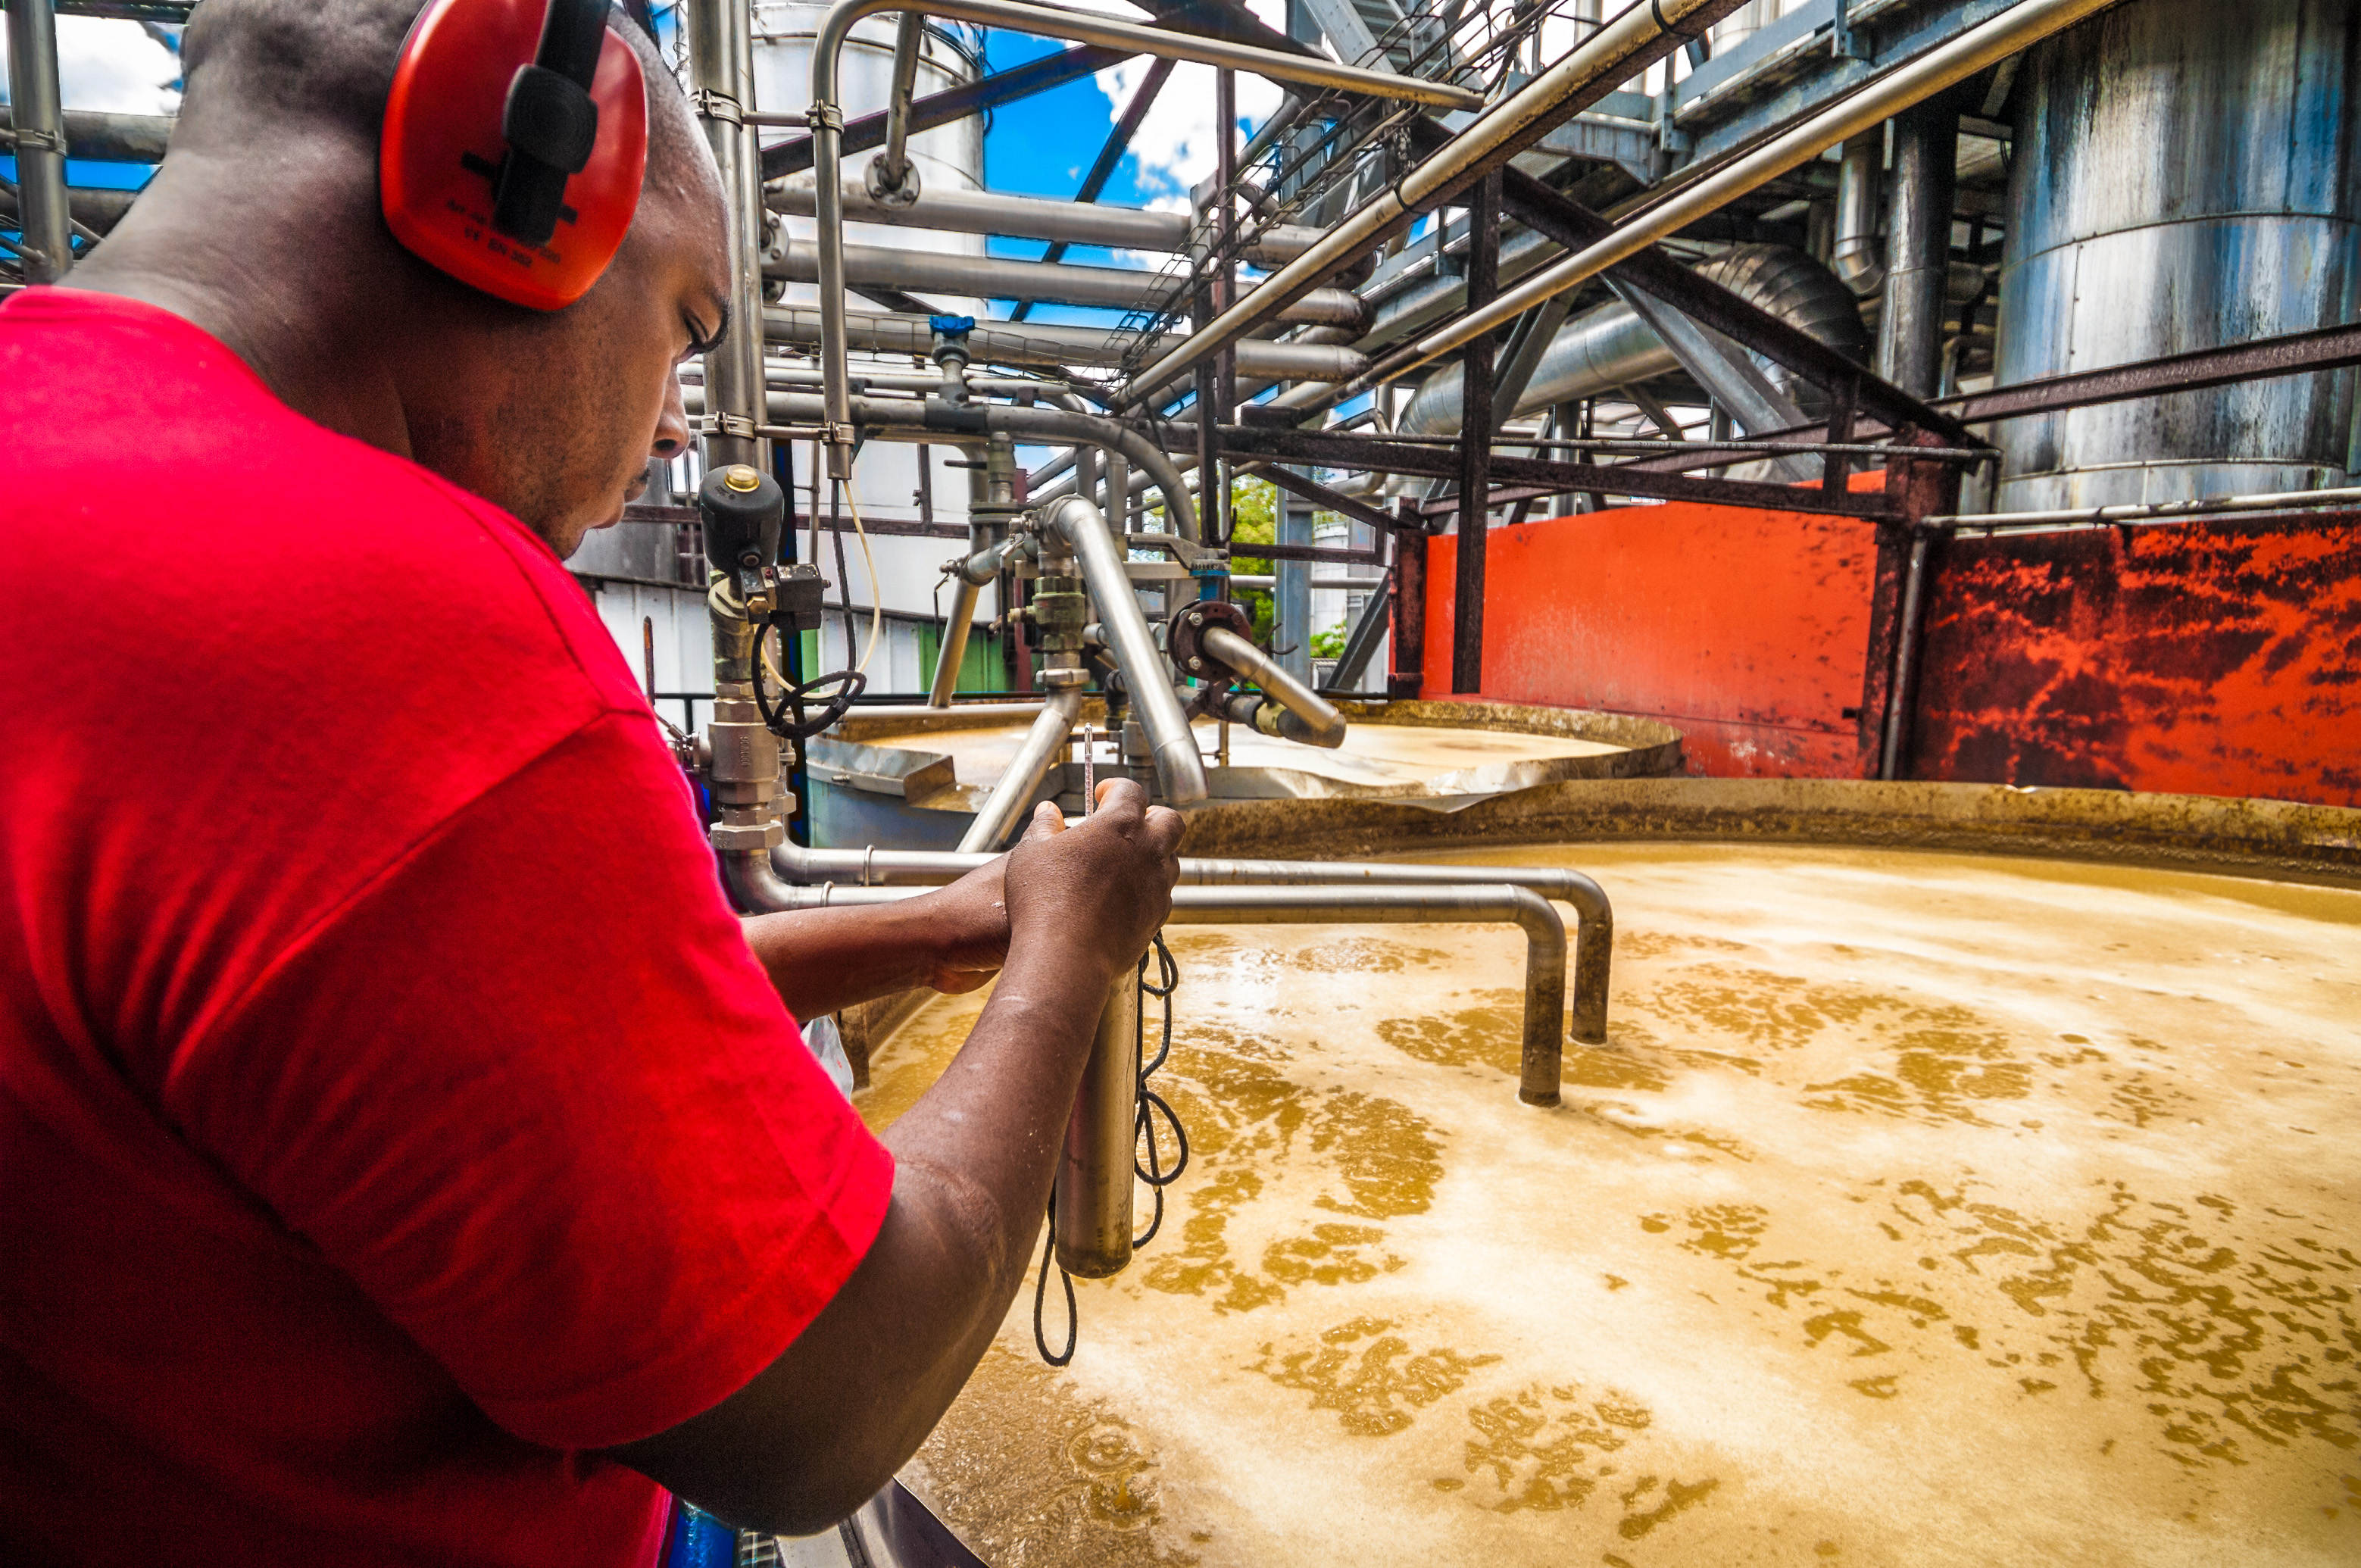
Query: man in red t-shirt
x,y
405,1157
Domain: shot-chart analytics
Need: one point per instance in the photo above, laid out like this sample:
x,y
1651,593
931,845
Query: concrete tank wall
x,y
2185,177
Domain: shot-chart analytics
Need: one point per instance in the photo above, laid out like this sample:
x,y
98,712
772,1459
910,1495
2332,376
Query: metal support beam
x,y
1537,475
1407,677
2325,348
1476,428
1110,157
794,155
1326,499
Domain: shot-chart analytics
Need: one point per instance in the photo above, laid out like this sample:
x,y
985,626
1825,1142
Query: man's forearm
x,y
826,960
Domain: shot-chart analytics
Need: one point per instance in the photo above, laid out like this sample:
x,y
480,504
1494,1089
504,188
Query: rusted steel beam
x,y
1117,143
1326,499
794,155
1407,677
2327,348
2297,353
1475,442
1539,477
1556,215
1346,554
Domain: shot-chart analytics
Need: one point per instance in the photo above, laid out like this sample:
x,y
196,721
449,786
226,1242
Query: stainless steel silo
x,y
2184,178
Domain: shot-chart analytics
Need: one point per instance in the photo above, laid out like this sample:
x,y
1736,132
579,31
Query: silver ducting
x,y
1858,254
2184,179
1610,346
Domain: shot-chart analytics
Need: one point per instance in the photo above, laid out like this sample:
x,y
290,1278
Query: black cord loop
x,y
849,683
1041,1292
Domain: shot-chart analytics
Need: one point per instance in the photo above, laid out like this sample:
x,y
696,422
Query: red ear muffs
x,y
471,111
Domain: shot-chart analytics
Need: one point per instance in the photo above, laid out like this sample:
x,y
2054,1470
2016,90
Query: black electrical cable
x,y
1150,1103
850,685
1041,1292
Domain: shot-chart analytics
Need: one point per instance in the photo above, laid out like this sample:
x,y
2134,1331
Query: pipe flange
x,y
1189,622
897,193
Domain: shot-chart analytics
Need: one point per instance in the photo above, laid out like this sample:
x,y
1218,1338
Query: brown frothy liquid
x,y
1373,754
1923,1209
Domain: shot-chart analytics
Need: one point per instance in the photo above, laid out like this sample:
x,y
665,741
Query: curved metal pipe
x,y
1179,770
1856,256
1542,1063
1594,946
1322,726
1035,757
1090,430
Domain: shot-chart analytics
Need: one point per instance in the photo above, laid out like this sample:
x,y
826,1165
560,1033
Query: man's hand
x,y
1097,891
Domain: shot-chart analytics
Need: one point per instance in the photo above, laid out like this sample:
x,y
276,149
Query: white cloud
x,y
1175,144
114,67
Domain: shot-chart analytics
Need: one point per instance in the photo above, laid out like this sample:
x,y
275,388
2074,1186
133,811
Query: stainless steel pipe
x,y
1060,282
1147,680
1094,1174
1032,217
1039,343
1321,726
1042,749
1593,949
721,51
45,221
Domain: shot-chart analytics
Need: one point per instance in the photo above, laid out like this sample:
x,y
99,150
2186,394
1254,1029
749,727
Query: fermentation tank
x,y
2184,179
1965,1178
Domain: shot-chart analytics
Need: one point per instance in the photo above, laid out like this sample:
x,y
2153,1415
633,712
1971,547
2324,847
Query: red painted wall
x,y
2211,658
2216,657
1747,631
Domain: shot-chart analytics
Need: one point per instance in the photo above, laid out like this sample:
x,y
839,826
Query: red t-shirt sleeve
x,y
530,1089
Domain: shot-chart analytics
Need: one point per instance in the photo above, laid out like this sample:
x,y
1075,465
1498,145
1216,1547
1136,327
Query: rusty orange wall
x,y
2211,658
1747,631
2214,658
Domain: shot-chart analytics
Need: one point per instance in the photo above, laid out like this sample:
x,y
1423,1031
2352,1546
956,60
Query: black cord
x,y
850,685
1154,1173
1041,1292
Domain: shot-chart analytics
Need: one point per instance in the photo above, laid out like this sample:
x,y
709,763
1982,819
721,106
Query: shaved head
x,y
327,66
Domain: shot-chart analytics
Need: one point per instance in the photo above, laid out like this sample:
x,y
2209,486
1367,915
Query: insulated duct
x,y
1610,346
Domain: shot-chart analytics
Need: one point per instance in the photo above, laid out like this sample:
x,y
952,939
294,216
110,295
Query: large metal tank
x,y
887,479
2184,178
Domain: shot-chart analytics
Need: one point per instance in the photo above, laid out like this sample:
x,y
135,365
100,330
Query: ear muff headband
x,y
515,140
